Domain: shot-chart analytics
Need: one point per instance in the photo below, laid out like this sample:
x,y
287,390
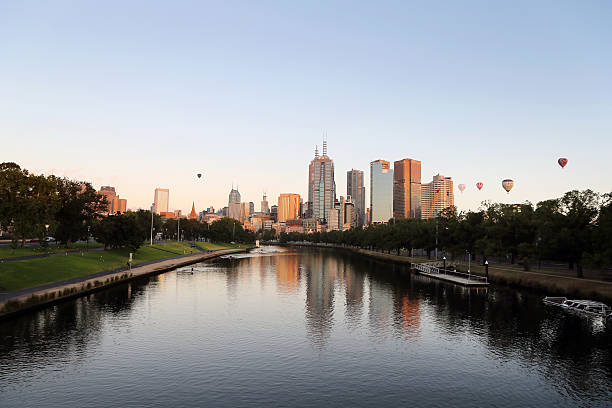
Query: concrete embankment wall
x,y
37,298
540,281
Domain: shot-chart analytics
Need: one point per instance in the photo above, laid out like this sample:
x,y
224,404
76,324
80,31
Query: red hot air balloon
x,y
479,185
562,162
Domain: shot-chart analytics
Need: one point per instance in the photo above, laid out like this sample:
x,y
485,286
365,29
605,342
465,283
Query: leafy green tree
x,y
79,206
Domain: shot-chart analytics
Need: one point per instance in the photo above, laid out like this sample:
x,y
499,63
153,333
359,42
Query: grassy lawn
x,y
213,246
8,252
33,272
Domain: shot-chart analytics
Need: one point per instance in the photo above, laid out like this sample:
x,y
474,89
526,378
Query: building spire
x,y
325,144
316,151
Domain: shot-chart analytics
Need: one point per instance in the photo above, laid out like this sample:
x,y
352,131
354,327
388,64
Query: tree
x,y
79,206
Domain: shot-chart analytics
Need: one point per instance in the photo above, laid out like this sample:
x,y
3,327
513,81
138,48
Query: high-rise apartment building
x,y
381,192
436,196
288,207
407,189
321,185
160,201
356,190
265,208
234,204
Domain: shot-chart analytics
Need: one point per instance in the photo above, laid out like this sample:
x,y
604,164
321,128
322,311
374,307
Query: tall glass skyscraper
x,y
356,189
381,191
321,185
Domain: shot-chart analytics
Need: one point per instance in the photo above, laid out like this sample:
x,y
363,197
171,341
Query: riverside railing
x,y
434,268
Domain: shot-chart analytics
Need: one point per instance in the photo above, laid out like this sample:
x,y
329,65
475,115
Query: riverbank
x,y
19,301
548,284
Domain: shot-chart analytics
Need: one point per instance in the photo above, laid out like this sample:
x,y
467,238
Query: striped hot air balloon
x,y
479,185
461,187
562,162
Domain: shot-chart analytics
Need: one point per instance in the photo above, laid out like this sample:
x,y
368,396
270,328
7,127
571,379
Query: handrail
x,y
434,269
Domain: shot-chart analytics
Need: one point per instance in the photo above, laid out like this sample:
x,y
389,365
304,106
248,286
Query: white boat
x,y
586,307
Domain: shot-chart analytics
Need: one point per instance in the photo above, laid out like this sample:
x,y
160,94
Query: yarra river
x,y
307,327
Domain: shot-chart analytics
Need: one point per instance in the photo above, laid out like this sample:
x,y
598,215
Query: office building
x,y
115,204
321,185
407,189
245,211
265,208
381,192
160,201
436,196
288,207
356,190
234,204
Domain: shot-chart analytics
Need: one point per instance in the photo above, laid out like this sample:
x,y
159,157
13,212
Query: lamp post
x,y
152,205
87,245
444,260
487,270
469,262
178,228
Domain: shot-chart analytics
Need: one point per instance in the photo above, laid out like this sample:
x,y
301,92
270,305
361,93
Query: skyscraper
x,y
356,190
160,201
321,185
437,193
265,209
381,191
407,189
288,207
234,204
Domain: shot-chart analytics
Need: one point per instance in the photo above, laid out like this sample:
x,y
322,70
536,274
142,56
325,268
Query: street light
x,y
469,263
487,270
87,245
444,260
152,205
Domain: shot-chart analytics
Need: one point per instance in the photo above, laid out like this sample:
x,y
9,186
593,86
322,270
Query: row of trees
x,y
37,206
576,229
223,230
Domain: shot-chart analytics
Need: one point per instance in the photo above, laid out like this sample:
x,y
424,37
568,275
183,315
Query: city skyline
x,y
442,84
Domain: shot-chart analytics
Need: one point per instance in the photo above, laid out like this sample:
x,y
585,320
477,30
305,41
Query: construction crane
x,y
433,203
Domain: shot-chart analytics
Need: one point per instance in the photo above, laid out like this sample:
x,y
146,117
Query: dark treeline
x,y
38,206
223,230
576,229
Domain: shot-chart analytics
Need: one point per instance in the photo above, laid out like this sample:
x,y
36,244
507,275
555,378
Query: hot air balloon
x,y
479,185
199,175
507,184
562,162
461,187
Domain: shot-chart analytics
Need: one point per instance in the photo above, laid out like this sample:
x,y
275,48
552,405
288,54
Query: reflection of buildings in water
x,y
354,283
287,273
411,316
321,272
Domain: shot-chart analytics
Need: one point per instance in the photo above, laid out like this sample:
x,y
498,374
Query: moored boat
x,y
586,307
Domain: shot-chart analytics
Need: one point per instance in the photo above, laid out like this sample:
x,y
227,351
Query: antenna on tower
x,y
316,151
325,144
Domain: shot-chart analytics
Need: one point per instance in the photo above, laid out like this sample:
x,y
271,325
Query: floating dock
x,y
435,272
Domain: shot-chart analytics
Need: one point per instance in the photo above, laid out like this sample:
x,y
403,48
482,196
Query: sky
x,y
146,94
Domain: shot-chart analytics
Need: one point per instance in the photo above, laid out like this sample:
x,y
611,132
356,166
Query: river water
x,y
307,327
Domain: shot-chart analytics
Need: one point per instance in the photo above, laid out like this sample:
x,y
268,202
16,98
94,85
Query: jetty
x,y
436,271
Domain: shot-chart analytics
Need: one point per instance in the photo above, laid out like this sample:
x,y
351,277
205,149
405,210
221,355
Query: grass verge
x,y
34,272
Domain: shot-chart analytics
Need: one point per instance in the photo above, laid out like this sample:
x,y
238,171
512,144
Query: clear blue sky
x,y
142,94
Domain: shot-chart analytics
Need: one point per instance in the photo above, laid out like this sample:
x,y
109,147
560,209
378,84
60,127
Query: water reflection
x,y
350,306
